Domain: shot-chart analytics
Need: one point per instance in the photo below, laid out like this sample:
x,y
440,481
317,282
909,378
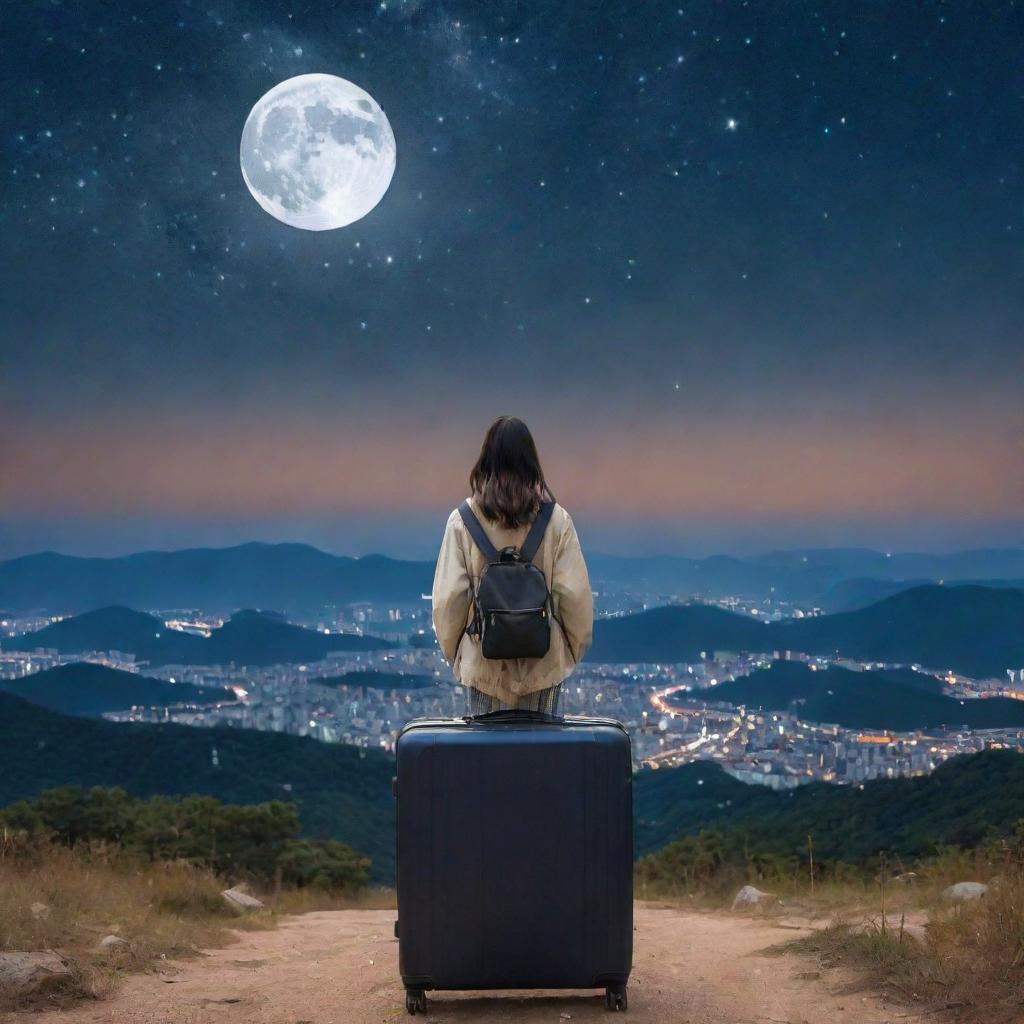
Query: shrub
x,y
257,842
325,864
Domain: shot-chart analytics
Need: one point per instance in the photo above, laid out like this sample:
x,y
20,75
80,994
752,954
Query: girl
x,y
508,488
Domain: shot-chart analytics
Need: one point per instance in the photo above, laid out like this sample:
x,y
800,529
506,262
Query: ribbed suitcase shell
x,y
515,854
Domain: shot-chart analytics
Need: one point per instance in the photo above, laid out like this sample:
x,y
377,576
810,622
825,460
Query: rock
x,y
40,911
917,932
26,973
907,878
963,892
113,943
749,897
241,901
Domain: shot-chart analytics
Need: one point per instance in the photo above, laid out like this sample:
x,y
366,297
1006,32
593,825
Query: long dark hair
x,y
507,480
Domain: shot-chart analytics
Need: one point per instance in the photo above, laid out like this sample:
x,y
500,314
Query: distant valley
x,y
345,793
796,690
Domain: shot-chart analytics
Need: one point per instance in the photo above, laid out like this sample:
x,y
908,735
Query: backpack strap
x,y
476,531
536,534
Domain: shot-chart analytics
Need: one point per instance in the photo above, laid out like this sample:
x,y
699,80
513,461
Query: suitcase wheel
x,y
615,999
415,1000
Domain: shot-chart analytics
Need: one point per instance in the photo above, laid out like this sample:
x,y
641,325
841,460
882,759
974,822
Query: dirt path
x,y
341,968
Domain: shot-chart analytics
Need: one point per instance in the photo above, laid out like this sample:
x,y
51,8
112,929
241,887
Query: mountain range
x,y
978,631
806,576
90,690
294,578
897,699
247,638
299,579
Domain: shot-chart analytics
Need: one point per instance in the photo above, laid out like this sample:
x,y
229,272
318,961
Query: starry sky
x,y
752,272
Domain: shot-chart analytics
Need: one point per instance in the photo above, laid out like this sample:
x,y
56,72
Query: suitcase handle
x,y
515,716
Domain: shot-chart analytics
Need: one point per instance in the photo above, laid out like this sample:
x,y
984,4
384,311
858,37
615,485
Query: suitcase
x,y
515,855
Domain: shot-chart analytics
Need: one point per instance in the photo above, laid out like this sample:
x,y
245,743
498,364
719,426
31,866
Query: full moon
x,y
317,152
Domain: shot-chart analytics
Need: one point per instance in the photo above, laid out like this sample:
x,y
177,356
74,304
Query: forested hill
x,y
978,631
676,633
342,792
898,699
975,630
849,595
83,688
959,804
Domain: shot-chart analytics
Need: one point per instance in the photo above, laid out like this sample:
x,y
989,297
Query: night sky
x,y
753,273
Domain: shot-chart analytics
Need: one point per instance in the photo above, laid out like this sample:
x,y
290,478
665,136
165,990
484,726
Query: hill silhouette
x,y
959,804
849,595
676,633
898,699
379,680
978,631
975,630
90,690
342,792
247,638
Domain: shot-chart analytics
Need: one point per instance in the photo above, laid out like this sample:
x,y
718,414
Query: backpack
x,y
512,603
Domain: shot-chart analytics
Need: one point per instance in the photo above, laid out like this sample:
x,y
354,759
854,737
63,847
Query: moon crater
x,y
317,152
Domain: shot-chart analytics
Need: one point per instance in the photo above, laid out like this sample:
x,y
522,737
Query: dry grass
x,y
306,901
971,963
161,910
828,898
840,893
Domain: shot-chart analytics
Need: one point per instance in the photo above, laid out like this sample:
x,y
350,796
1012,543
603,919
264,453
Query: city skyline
x,y
755,279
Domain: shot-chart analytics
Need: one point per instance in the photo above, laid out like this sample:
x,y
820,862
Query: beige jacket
x,y
458,570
